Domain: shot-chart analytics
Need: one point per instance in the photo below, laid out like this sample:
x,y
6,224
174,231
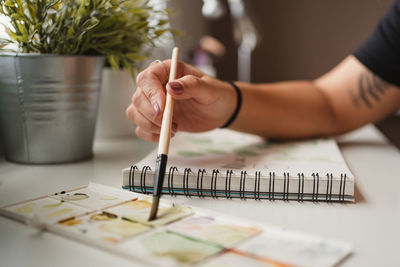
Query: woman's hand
x,y
201,103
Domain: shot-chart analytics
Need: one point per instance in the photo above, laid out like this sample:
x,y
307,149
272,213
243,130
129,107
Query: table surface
x,y
370,224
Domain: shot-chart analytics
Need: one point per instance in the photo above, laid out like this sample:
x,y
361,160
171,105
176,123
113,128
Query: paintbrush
x,y
165,136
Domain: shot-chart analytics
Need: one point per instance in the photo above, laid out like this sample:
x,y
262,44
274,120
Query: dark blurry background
x,y
300,39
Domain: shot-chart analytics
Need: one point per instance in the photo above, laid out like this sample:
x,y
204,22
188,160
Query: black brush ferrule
x,y
161,165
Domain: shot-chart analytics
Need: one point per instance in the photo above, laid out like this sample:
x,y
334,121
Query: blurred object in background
x,y
212,46
1,149
162,46
212,9
245,36
244,32
117,87
187,18
207,52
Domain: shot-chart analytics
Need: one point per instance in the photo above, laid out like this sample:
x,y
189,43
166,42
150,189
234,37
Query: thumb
x,y
188,87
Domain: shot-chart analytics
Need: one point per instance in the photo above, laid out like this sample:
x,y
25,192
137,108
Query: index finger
x,y
152,82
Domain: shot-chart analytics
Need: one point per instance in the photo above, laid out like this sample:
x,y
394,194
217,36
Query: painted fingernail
x,y
177,87
156,109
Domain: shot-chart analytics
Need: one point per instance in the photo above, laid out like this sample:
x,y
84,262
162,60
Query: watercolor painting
x,y
296,249
102,226
139,211
223,149
211,229
199,139
183,249
46,210
91,197
233,258
188,153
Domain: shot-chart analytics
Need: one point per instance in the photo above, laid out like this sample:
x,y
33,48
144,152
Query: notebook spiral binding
x,y
228,193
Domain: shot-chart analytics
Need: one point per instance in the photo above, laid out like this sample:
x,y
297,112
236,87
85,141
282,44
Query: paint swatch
x,y
181,248
296,249
233,258
102,226
93,197
139,211
211,229
45,210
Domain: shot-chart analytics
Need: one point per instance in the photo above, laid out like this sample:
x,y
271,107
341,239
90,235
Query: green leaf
x,y
114,61
136,57
9,3
114,28
4,42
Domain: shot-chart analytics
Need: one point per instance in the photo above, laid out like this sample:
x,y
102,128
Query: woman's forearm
x,y
285,110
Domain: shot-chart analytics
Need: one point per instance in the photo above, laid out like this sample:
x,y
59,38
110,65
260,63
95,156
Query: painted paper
x,y
93,197
45,210
209,228
232,258
103,226
139,211
181,248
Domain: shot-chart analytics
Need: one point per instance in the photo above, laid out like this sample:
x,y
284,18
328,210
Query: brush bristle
x,y
154,208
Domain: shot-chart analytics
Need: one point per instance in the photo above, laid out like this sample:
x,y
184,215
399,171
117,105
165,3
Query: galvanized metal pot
x,y
48,106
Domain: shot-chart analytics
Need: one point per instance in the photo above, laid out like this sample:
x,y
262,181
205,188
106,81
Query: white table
x,y
371,225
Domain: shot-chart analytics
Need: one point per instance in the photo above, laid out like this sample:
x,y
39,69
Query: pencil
x,y
165,136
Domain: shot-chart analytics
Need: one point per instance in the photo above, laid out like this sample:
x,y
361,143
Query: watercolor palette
x,y
180,248
139,211
299,249
94,196
216,230
238,258
44,209
116,221
102,226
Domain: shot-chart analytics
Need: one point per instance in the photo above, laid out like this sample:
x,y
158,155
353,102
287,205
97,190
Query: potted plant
x,y
49,87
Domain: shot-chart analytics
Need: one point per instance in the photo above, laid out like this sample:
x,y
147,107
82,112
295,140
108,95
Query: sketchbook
x,y
225,163
115,220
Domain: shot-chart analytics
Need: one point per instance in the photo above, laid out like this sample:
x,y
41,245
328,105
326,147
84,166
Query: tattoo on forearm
x,y
370,89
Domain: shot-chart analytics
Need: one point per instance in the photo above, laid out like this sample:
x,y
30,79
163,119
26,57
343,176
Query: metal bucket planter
x,y
48,106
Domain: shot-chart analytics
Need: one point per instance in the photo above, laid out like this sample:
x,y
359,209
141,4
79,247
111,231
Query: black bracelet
x,y
238,105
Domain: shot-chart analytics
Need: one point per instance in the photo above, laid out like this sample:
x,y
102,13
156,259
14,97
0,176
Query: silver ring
x,y
164,65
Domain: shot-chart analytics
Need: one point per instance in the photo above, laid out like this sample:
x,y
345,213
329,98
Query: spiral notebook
x,y
226,163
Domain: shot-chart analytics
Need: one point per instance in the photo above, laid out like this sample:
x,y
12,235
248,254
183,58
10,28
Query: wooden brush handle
x,y
166,124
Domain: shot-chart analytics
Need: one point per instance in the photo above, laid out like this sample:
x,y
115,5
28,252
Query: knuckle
x,y
144,76
128,112
152,94
194,80
143,134
145,124
140,78
158,121
154,128
136,99
138,132
149,126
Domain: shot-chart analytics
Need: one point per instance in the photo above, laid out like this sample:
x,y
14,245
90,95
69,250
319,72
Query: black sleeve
x,y
381,51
